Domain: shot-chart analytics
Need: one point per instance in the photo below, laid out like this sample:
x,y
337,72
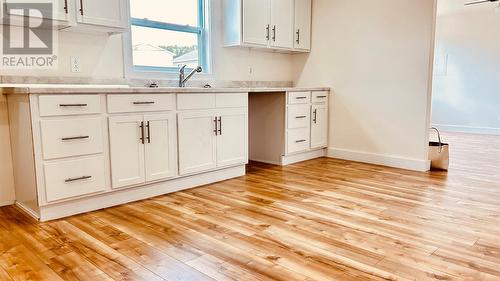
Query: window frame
x,y
153,72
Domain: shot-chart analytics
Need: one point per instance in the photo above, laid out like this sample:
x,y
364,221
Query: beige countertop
x,y
124,89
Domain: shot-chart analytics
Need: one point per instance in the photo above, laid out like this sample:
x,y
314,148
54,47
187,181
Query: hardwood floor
x,y
324,219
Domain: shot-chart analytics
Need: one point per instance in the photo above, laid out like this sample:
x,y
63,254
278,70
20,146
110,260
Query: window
x,y
167,34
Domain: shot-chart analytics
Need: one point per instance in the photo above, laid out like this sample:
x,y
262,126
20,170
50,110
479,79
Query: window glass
x,y
181,12
152,47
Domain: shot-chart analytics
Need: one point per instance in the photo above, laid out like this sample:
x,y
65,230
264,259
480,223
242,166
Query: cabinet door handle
x,y
142,102
298,36
220,126
81,7
142,132
299,141
301,98
300,117
73,105
148,126
75,138
274,33
78,179
315,119
267,32
66,6
216,131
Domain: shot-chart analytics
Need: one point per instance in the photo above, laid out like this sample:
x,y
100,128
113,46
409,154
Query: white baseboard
x,y
467,129
304,156
379,159
8,203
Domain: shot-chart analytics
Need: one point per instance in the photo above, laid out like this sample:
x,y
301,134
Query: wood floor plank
x,y
325,219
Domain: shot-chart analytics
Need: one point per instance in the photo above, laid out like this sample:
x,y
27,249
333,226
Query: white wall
x,y
376,56
466,94
102,58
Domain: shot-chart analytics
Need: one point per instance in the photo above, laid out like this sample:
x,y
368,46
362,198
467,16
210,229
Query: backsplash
x,y
139,82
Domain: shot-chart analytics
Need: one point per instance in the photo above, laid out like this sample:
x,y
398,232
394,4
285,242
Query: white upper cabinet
x,y
302,20
78,15
108,13
256,25
268,24
282,24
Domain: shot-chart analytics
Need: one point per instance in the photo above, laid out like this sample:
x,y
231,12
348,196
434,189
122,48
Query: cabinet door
x,y
197,141
127,150
161,146
109,13
60,10
232,139
319,126
282,23
302,31
256,22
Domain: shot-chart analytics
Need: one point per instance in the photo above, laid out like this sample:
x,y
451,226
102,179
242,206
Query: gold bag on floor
x,y
439,154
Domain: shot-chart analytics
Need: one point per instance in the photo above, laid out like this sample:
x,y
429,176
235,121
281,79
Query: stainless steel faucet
x,y
183,79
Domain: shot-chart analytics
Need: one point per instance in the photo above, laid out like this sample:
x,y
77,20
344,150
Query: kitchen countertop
x,y
124,89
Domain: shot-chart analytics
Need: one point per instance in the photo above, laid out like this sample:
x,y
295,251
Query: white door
x,y
282,23
256,22
319,126
302,30
161,146
197,141
232,139
127,150
109,13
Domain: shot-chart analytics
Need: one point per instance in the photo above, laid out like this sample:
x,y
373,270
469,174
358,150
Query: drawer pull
x,y
301,98
73,105
78,179
321,97
143,102
300,117
299,141
75,138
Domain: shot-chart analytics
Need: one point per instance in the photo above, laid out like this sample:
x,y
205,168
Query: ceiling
x,y
446,7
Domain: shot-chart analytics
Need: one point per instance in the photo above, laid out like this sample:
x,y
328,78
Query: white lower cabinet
x,y
319,126
197,141
75,177
142,148
232,139
161,146
213,138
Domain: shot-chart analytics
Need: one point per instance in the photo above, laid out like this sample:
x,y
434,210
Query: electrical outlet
x,y
75,64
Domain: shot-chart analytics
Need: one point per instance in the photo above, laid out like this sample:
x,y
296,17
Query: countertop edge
x,y
62,90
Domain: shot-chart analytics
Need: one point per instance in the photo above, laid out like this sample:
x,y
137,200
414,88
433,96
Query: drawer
x,y
71,178
298,116
140,103
299,97
195,101
298,140
226,100
71,137
320,97
57,105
